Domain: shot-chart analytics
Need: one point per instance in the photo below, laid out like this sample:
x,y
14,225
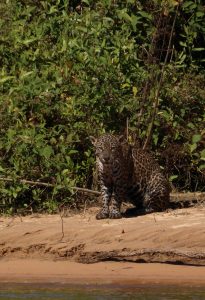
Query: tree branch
x,y
156,98
174,197
45,184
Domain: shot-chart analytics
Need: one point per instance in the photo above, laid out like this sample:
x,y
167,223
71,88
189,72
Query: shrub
x,y
70,69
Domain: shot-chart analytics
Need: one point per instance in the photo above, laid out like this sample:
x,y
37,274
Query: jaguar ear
x,y
93,140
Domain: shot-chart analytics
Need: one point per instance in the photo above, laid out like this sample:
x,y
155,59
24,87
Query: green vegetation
x,y
70,69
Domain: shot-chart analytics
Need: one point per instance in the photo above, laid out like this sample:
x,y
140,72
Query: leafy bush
x,y
70,69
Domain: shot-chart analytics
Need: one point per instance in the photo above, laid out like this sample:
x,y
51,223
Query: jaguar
x,y
128,173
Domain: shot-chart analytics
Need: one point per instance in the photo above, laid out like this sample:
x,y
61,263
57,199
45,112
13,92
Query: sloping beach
x,y
159,248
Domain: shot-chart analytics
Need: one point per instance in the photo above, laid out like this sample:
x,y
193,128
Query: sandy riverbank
x,y
40,248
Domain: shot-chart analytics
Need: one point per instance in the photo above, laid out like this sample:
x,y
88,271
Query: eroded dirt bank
x,y
177,237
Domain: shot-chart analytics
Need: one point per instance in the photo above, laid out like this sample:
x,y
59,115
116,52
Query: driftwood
x,y
144,255
174,197
187,197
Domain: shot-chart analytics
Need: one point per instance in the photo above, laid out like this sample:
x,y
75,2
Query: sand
x,y
160,248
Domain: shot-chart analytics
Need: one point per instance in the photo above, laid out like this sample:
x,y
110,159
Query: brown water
x,y
56,292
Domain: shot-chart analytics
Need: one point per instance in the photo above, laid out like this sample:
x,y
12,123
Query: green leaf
x,y
202,154
46,152
86,2
134,90
53,9
182,43
73,151
199,13
124,15
29,41
26,74
191,125
135,20
65,172
198,49
145,15
196,138
125,85
1,169
193,147
6,78
187,4
182,58
11,133
173,177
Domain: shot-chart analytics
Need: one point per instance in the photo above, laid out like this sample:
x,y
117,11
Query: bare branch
x,y
175,197
156,98
45,184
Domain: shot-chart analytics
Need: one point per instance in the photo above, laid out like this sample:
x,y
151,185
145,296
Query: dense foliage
x,y
70,69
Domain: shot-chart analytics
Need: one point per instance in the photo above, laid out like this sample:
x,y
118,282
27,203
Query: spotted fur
x,y
128,174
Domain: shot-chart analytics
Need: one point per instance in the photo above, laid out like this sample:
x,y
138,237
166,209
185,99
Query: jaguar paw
x,y
115,215
102,214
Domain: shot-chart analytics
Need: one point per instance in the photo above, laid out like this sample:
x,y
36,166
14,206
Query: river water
x,y
16,292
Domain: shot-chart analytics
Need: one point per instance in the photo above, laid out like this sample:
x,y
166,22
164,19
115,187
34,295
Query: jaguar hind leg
x,y
148,204
154,203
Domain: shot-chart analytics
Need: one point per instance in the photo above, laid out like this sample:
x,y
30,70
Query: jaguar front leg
x,y
106,193
116,205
